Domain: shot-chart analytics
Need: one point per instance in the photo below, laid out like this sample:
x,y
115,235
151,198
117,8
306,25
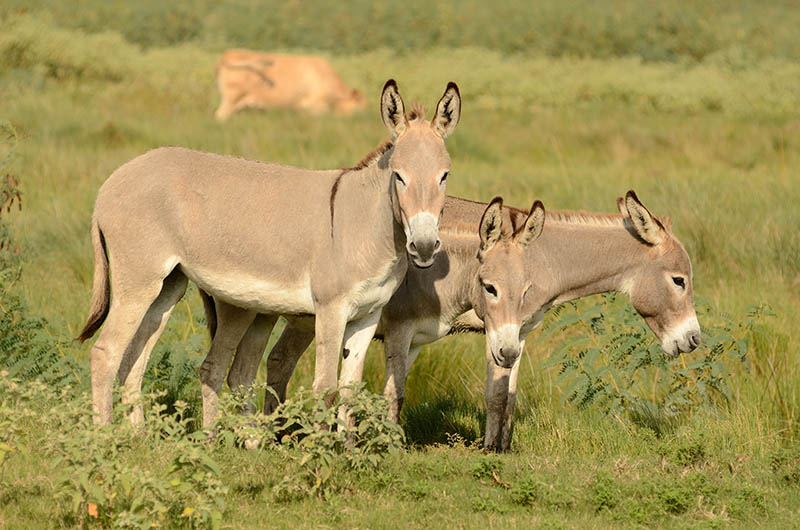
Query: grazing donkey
x,y
265,238
579,254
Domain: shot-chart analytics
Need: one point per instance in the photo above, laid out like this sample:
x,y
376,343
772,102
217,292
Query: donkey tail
x,y
211,312
101,292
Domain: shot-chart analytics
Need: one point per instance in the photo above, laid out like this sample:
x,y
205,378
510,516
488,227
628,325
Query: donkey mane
x,y
373,155
573,217
417,111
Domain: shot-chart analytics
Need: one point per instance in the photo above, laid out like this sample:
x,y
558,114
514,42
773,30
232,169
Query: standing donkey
x,y
265,238
579,254
487,272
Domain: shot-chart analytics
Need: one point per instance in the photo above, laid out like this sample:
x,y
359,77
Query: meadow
x,y
574,103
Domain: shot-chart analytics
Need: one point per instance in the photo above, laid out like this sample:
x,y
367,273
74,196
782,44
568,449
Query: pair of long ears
x,y
491,226
646,226
393,112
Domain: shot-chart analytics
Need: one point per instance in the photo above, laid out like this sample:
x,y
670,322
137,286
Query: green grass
x,y
712,142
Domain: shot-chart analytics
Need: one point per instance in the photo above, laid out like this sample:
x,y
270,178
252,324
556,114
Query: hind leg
x,y
134,361
281,362
249,353
131,303
232,323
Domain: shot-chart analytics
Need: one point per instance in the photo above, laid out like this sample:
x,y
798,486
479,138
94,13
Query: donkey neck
x,y
460,286
362,212
582,254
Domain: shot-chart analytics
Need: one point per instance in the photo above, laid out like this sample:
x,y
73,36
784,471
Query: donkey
x,y
490,277
333,244
579,254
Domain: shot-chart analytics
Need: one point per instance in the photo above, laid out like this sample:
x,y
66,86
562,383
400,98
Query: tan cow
x,y
263,80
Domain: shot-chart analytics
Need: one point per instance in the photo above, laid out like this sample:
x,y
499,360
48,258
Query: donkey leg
x,y
329,327
124,318
134,361
282,361
358,335
507,426
248,355
396,353
496,397
232,324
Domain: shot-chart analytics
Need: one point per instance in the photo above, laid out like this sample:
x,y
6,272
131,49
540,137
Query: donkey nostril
x,y
412,247
437,245
694,340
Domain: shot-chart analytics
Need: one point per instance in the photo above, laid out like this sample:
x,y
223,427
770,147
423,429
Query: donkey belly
x,y
429,330
249,292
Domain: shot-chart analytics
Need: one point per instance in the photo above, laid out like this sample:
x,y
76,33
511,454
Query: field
x,y
573,103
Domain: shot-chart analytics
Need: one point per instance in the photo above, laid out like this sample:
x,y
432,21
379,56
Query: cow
x,y
268,80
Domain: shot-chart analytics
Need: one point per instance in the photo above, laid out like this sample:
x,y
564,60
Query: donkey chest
x,y
535,320
371,294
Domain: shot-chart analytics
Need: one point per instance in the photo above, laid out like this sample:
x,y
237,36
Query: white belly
x,y
254,293
429,330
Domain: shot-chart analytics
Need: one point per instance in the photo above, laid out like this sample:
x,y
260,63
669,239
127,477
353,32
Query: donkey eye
x,y
444,178
679,281
489,288
398,178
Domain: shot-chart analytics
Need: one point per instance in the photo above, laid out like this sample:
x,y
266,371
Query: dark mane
x,y
375,154
417,112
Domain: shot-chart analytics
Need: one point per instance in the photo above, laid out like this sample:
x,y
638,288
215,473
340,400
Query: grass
x,y
712,142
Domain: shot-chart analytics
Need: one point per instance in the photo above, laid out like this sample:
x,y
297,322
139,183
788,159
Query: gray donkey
x,y
264,238
578,254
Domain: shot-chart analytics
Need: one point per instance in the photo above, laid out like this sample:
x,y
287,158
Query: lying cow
x,y
262,80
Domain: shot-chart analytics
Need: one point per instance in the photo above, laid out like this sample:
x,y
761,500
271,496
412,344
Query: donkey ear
x,y
491,227
393,111
642,220
532,228
448,111
621,207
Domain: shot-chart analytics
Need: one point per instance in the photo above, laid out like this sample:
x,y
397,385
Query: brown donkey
x,y
579,254
265,238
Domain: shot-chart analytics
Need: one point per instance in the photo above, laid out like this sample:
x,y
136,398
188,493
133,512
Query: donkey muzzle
x,y
684,338
505,345
423,239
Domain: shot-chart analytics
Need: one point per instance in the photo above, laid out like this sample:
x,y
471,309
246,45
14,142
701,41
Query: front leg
x,y
508,415
329,328
497,381
358,335
397,342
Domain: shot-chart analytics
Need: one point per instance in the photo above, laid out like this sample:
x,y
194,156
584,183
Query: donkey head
x,y
419,164
504,282
661,289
